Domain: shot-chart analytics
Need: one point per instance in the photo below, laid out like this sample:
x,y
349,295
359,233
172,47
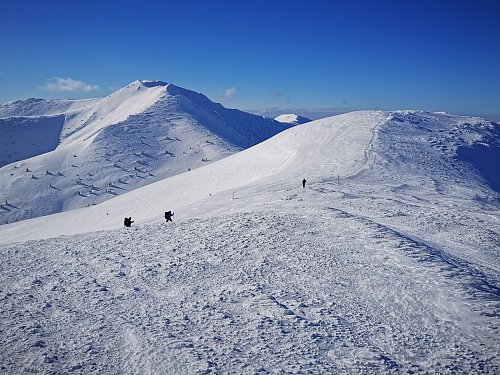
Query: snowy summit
x,y
291,118
60,155
386,259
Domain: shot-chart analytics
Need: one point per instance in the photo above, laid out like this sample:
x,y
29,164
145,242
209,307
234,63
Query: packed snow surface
x,y
386,262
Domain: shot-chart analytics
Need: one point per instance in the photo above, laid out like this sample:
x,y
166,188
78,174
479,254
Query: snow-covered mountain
x,y
292,119
432,153
58,155
386,262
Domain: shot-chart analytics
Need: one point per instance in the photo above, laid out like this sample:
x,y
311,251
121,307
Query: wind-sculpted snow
x,y
485,156
315,291
240,128
386,262
426,148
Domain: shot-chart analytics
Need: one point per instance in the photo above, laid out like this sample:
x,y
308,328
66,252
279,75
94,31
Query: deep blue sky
x,y
392,54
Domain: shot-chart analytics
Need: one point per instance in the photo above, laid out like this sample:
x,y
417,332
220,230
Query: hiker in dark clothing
x,y
168,216
127,221
304,183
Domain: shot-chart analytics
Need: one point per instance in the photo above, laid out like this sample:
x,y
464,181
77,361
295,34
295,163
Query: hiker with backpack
x,y
168,216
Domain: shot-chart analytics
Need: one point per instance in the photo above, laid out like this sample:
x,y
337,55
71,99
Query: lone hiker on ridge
x,y
304,183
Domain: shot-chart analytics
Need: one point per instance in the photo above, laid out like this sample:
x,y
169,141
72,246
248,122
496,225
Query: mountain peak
x,y
147,83
144,84
292,118
139,134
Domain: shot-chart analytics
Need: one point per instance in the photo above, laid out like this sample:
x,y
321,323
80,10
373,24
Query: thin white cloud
x,y
57,84
229,93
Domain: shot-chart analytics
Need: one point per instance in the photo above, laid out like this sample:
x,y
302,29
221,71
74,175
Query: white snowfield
x,y
335,144
59,155
386,262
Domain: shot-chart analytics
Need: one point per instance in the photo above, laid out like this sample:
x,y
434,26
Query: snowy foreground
x,y
387,262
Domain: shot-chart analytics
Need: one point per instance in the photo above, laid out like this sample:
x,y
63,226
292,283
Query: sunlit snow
x,y
386,262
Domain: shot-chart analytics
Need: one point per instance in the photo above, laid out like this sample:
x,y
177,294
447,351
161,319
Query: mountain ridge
x,y
141,133
371,146
257,271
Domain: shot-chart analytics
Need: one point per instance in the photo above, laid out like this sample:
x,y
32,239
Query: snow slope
x,y
42,107
64,154
292,118
387,262
20,136
288,157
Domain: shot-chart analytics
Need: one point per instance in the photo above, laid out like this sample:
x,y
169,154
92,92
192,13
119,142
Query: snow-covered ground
x,y
386,262
58,155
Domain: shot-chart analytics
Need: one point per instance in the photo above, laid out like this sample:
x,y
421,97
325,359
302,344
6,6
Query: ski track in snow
x,y
381,273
